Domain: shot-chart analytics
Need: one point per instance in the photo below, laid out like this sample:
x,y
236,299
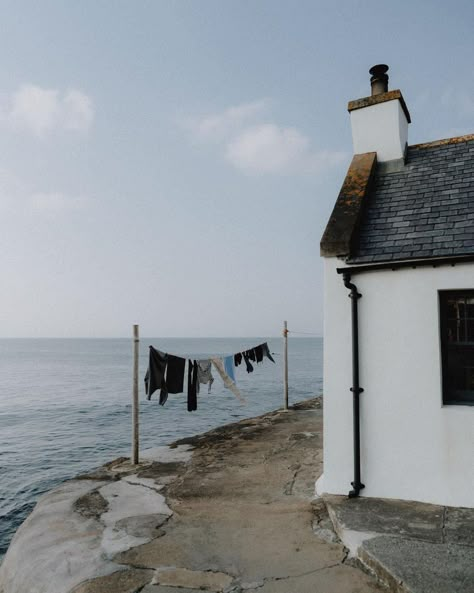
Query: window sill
x,y
457,405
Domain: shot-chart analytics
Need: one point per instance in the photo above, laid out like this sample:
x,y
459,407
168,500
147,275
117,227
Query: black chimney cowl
x,y
379,79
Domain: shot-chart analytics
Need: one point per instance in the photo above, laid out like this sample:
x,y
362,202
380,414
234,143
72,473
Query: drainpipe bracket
x,y
357,488
358,390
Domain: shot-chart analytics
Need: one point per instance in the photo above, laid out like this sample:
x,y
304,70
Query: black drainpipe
x,y
356,388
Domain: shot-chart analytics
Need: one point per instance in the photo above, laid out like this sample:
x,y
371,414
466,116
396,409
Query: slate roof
x,y
423,210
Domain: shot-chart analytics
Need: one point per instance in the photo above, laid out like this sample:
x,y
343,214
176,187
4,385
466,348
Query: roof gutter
x,y
411,263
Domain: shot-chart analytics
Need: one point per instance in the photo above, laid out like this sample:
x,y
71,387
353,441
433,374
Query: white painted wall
x,y
380,128
412,447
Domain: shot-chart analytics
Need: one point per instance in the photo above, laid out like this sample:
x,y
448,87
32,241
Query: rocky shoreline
x,y
228,510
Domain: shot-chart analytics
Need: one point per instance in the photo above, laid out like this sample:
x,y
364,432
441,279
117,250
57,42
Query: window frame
x,y
447,389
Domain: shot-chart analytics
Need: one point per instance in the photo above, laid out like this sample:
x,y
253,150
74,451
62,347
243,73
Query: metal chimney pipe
x,y
379,79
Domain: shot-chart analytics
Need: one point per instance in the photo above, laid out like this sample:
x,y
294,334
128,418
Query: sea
x,y
65,405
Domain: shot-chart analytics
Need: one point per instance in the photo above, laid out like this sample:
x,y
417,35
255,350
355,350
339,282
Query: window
x,y
457,345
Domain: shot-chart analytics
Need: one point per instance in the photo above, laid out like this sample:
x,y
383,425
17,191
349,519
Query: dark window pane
x,y
451,309
470,308
451,330
470,378
470,330
456,329
457,346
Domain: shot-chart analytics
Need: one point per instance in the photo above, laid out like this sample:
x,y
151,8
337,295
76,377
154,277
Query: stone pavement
x,y
228,511
411,546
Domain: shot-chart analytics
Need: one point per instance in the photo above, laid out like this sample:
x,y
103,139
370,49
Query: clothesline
x,y
166,372
199,372
221,355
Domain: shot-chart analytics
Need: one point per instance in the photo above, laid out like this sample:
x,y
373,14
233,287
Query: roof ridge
x,y
444,141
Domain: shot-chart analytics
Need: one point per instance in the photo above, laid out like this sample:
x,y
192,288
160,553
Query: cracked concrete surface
x,y
243,507
194,579
236,516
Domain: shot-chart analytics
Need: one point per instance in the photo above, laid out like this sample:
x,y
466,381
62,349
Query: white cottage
x,y
400,243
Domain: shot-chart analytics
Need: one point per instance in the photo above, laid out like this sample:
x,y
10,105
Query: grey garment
x,y
219,366
204,373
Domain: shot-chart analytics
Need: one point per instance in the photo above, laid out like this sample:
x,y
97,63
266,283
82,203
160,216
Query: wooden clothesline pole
x,y
135,408
285,383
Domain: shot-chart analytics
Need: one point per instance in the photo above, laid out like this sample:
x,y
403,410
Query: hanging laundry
x,y
205,374
175,374
167,372
266,351
155,375
229,366
219,365
248,363
251,354
174,381
192,385
258,353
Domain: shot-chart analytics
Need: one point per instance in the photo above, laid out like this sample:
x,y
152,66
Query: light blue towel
x,y
229,367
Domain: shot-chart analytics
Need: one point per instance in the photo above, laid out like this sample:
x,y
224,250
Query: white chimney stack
x,y
380,122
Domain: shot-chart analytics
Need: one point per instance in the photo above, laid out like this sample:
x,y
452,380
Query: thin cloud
x,y
42,111
18,198
218,126
256,147
78,111
269,148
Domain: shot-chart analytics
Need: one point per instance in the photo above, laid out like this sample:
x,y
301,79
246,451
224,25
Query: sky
x,y
174,163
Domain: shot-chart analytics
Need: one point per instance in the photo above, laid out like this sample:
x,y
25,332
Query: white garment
x,y
219,366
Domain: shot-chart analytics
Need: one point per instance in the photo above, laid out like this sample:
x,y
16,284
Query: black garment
x,y
237,359
251,354
259,353
266,351
155,375
175,374
163,396
247,362
193,385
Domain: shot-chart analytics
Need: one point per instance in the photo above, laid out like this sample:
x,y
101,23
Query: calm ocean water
x,y
65,406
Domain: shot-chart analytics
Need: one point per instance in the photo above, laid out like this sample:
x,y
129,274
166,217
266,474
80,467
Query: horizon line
x,y
154,337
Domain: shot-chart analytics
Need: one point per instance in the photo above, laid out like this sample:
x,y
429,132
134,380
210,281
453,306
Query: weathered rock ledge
x,y
75,531
230,510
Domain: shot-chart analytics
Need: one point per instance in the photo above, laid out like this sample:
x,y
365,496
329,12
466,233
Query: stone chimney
x,y
380,122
